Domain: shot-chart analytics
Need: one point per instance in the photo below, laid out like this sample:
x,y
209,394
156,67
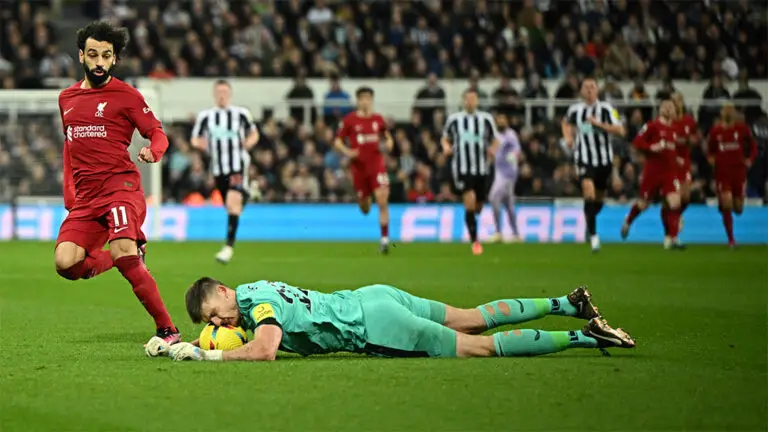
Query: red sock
x,y
145,288
728,224
385,230
665,220
101,262
673,219
89,267
633,214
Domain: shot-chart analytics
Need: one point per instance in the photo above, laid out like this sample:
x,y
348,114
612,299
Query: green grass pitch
x,y
71,355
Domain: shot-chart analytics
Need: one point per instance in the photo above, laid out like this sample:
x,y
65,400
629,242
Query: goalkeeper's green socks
x,y
501,312
537,342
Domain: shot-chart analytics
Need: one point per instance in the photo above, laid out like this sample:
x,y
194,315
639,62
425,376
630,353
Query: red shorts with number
x,y
658,185
735,183
92,224
369,177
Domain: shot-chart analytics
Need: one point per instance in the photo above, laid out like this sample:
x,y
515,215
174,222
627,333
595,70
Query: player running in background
x,y
470,137
505,176
102,186
363,129
656,140
731,150
382,320
686,136
227,133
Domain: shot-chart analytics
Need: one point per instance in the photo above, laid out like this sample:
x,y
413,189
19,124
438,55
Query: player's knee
x,y
642,204
738,207
234,203
364,204
474,346
726,203
469,321
67,255
122,247
673,201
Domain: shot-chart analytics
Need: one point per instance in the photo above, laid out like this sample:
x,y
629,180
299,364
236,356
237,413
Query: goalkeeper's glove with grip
x,y
156,347
187,351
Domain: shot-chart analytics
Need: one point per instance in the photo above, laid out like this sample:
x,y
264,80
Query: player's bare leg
x,y
382,200
234,204
73,262
470,219
726,209
514,343
125,254
577,304
364,203
638,207
673,202
590,212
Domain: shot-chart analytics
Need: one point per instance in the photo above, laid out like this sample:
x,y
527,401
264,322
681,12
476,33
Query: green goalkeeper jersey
x,y
312,322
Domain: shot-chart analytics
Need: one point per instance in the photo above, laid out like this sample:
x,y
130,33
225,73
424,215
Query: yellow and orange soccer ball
x,y
222,337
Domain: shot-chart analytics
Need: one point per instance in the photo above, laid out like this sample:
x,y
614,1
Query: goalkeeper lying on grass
x,y
381,320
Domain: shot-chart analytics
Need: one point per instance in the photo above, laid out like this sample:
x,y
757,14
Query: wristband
x,y
214,355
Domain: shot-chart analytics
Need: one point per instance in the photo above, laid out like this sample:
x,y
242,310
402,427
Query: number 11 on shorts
x,y
119,218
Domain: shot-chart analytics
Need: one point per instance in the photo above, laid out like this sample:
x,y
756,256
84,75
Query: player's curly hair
x,y
104,31
196,295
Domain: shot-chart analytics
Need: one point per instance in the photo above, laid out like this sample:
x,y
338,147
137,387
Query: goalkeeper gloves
x,y
187,351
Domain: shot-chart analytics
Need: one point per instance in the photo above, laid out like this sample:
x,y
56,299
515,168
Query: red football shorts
x,y
735,183
92,224
658,185
684,173
367,178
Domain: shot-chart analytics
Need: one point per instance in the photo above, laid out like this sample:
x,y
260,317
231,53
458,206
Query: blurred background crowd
x,y
709,41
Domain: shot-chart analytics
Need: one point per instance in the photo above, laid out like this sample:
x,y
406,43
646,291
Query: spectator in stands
x,y
301,98
338,102
714,92
420,192
433,96
748,95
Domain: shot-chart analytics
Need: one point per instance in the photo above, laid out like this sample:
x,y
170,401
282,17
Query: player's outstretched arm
x,y
263,347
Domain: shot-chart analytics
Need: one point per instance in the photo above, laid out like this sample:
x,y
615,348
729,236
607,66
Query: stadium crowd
x,y
530,40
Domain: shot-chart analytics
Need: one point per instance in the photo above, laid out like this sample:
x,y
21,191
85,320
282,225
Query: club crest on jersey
x,y
375,127
100,109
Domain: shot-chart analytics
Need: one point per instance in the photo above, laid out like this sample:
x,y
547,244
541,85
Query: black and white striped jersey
x,y
471,135
225,129
592,146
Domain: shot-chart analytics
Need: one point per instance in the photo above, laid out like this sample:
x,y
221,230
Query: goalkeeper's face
x,y
220,307
98,61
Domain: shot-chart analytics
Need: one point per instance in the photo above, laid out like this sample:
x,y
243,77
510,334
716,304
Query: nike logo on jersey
x,y
117,230
65,112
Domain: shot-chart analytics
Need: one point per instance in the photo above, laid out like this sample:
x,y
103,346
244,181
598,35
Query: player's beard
x,y
93,78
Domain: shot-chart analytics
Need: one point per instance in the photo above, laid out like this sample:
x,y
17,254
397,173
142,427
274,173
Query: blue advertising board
x,y
440,223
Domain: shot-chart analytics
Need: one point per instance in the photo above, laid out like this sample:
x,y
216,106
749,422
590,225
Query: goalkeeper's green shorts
x,y
398,324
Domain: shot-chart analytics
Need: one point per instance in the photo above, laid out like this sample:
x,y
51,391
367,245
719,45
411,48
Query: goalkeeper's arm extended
x,y
263,347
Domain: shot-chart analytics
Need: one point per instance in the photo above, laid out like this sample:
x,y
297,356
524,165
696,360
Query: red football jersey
x,y
98,126
686,134
364,135
657,141
728,145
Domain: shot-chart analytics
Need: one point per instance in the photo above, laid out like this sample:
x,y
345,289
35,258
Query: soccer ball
x,y
222,337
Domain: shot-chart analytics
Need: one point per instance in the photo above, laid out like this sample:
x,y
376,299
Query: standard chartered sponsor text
x,y
90,131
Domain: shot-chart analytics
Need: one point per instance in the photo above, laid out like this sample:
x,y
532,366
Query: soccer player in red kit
x,y
686,136
731,150
660,174
363,129
102,186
